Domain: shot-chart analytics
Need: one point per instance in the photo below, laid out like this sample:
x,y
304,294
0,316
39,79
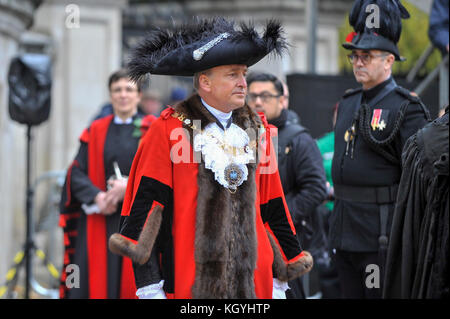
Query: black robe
x,y
102,144
418,255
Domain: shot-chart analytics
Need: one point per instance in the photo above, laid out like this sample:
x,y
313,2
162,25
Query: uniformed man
x,y
373,124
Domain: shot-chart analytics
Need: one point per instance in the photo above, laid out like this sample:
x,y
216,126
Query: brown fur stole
x,y
225,235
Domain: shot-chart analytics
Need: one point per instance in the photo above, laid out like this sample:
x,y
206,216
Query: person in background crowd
x,y
299,161
151,103
438,34
438,25
177,94
292,115
93,193
328,278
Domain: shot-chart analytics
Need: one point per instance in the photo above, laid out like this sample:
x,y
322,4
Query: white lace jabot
x,y
226,153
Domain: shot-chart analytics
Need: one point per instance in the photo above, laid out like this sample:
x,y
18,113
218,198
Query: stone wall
x,y
15,17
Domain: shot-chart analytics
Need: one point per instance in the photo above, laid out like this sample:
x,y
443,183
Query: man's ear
x,y
282,101
204,82
390,59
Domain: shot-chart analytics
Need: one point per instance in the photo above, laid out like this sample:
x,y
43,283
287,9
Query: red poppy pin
x,y
350,36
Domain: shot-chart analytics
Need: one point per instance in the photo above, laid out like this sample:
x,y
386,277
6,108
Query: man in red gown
x,y
204,193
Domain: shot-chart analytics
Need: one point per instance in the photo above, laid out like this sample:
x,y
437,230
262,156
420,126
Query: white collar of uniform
x,y
221,116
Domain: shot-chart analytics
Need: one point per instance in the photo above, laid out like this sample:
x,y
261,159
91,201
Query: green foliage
x,y
413,42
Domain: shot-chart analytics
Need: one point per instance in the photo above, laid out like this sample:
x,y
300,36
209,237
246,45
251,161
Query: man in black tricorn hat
x,y
204,199
373,124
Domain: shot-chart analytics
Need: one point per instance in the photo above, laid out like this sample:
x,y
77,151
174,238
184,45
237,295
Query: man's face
x,y
124,97
263,97
225,86
151,105
371,67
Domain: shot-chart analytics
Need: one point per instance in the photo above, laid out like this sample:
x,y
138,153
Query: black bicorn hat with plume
x,y
201,44
377,25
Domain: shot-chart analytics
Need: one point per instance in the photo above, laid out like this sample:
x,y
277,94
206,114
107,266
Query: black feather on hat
x,y
202,44
386,35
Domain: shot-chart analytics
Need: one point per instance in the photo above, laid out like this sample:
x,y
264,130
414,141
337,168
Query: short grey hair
x,y
197,77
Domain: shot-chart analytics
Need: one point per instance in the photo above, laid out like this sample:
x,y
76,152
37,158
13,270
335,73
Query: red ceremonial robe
x,y
164,173
95,224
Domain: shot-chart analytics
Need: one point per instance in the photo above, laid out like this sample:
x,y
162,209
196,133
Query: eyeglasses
x,y
265,97
365,58
127,89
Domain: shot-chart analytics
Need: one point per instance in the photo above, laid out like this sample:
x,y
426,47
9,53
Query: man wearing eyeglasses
x,y
373,123
299,160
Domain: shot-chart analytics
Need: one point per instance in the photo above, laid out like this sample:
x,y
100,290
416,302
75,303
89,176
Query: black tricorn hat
x,y
203,44
381,34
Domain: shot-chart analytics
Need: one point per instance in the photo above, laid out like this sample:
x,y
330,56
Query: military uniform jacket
x,y
392,115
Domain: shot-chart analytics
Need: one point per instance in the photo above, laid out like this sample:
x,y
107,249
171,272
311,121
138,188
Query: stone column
x,y
86,44
15,17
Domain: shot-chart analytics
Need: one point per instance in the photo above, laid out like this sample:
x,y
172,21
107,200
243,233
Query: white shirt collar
x,y
221,116
118,120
